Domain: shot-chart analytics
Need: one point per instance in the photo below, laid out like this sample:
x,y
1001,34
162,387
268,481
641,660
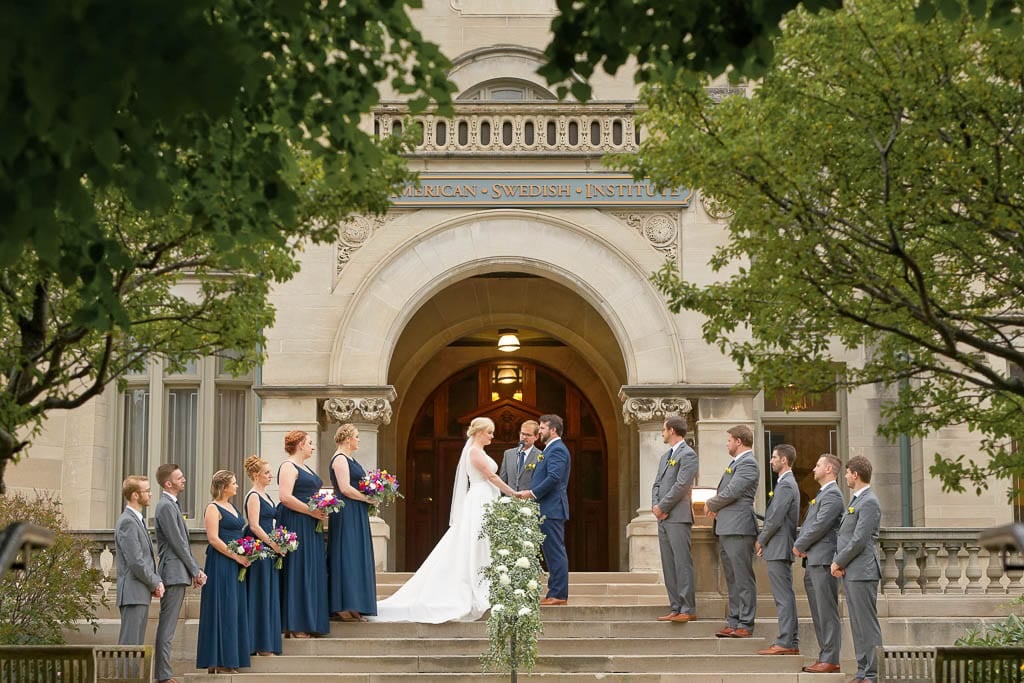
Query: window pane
x,y
810,442
191,368
791,401
229,437
182,437
135,456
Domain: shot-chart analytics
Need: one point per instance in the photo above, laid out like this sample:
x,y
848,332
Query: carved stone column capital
x,y
376,410
646,409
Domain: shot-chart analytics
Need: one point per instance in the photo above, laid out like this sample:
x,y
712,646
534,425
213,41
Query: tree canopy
x,y
698,36
874,179
162,162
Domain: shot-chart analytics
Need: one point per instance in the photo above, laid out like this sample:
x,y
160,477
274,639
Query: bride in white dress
x,y
448,585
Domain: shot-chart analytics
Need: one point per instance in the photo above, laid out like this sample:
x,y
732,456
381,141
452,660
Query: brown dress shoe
x,y
725,632
740,633
777,649
822,668
683,618
553,601
668,617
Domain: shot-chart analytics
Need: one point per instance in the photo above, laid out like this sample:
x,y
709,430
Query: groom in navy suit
x,y
550,481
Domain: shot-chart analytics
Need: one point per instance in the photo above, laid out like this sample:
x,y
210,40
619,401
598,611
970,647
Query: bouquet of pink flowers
x,y
380,485
326,501
249,547
286,540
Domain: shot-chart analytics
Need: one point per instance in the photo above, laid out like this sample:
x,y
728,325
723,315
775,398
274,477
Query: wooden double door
x,y
438,436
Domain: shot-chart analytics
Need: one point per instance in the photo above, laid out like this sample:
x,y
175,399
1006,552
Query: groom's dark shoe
x,y
553,601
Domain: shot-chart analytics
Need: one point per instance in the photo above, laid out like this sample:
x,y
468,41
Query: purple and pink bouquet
x,y
286,540
326,501
249,547
380,485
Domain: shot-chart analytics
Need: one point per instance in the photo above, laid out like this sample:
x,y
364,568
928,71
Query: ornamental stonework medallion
x,y
661,230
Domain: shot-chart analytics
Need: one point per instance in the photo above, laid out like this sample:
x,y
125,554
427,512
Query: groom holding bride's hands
x,y
550,481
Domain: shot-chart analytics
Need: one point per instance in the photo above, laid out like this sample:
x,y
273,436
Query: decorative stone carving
x,y
661,230
714,209
372,410
645,409
353,233
717,94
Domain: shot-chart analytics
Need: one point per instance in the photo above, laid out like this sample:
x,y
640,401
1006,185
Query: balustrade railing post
x,y
954,567
890,571
973,570
932,572
994,572
911,569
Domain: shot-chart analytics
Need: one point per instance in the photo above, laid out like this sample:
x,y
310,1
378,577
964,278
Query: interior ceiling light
x,y
508,341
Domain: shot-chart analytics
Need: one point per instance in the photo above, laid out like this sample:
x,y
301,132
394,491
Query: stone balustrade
x,y
542,128
915,561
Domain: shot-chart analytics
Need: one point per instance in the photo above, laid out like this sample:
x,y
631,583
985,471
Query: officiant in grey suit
x,y
518,464
137,580
672,506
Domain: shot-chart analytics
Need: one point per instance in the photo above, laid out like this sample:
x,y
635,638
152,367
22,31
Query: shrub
x,y
60,588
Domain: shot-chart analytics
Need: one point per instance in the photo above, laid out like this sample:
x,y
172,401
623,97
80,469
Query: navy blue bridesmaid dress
x,y
353,583
264,587
223,611
304,575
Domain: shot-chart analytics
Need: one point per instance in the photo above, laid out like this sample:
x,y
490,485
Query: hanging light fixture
x,y
507,374
508,341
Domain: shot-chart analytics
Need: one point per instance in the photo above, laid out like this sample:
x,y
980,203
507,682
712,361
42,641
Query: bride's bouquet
x,y
249,547
287,541
327,502
382,486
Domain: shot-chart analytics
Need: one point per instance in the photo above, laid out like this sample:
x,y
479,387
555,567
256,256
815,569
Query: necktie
x,y
522,459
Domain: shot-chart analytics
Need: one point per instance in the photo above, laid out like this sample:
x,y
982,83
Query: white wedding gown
x,y
448,585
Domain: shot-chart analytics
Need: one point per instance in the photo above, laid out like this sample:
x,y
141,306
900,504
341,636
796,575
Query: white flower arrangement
x,y
514,622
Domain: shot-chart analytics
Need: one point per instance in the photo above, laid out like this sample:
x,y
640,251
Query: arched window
x,y
506,90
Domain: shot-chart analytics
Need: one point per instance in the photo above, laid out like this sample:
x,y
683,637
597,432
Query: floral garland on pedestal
x,y
513,528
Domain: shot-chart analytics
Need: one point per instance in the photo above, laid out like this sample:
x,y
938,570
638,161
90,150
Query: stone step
x,y
737,664
537,677
650,645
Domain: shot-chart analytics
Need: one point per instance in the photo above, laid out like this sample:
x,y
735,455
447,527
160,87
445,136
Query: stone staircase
x,y
608,632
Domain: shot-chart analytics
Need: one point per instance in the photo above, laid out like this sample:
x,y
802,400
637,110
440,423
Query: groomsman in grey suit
x,y
518,464
775,545
672,506
732,511
857,563
137,580
817,545
177,565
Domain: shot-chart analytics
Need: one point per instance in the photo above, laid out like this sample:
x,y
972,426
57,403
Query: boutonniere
x,y
540,457
771,494
813,501
531,466
728,470
672,462
850,509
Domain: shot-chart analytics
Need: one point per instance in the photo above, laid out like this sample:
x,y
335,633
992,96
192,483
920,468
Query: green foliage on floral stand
x,y
513,528
59,591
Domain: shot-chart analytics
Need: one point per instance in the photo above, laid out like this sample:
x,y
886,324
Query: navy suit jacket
x,y
551,481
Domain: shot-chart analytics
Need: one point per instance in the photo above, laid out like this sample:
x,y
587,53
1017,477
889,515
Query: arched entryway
x,y
438,435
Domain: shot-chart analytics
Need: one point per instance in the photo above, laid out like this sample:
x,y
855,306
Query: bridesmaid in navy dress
x,y
353,584
304,575
263,582
223,613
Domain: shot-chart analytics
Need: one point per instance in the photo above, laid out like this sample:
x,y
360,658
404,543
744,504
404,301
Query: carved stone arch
x,y
422,264
499,64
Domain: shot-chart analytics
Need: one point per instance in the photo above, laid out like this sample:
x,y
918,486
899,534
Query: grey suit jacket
x,y
818,534
136,566
177,565
779,530
857,546
673,485
510,473
734,502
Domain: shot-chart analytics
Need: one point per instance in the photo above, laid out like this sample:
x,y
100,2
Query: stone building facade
x,y
518,225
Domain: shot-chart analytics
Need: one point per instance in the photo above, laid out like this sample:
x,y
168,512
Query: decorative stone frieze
x,y
714,209
354,233
661,230
373,410
717,94
648,409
